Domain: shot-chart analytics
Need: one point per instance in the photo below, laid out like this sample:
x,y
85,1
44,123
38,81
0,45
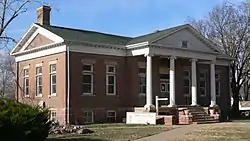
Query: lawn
x,y
221,132
114,132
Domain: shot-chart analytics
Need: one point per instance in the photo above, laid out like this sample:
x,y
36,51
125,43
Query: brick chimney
x,y
43,15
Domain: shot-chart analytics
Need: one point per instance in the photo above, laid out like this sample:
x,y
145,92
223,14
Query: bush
x,y
23,122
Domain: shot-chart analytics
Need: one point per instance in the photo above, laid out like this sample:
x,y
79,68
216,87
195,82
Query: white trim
x,y
38,30
107,78
68,85
40,76
41,53
189,81
168,51
91,73
108,111
92,116
140,51
52,73
25,36
137,45
218,62
205,72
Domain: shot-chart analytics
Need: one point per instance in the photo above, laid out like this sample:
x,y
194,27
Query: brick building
x,y
87,76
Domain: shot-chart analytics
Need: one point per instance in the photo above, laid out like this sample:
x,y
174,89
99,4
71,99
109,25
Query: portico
x,y
172,82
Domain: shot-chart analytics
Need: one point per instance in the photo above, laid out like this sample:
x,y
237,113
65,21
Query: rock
x,y
84,131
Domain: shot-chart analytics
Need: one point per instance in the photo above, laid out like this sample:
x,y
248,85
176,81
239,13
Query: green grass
x,y
114,132
220,133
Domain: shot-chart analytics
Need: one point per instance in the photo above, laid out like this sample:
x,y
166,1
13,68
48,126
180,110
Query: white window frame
x,y
25,86
91,73
39,76
107,79
109,111
51,74
189,81
205,80
52,117
92,116
142,65
218,80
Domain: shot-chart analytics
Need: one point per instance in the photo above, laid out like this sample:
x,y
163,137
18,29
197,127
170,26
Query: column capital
x,y
213,61
149,54
193,59
172,57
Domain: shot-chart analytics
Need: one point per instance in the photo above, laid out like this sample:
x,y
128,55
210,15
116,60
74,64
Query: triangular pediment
x,y
36,37
39,40
194,41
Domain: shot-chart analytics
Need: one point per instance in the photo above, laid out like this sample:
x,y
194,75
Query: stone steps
x,y
200,115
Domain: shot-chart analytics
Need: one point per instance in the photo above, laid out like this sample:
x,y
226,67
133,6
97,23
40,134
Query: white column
x,y
194,84
212,83
149,90
172,82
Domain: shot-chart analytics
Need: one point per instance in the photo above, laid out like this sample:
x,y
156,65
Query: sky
x,y
122,17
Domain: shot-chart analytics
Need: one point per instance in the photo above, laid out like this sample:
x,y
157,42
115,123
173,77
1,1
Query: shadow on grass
x,y
74,139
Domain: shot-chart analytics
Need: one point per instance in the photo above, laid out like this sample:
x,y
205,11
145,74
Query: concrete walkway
x,y
177,133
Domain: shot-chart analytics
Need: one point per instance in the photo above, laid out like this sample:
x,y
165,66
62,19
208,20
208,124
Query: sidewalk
x,y
177,133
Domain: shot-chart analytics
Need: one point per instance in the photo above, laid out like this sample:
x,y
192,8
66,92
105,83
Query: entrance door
x,y
164,90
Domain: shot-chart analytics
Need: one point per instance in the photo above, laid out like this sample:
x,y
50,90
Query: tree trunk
x,y
235,107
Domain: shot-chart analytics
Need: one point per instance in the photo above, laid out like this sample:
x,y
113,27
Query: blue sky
x,y
123,17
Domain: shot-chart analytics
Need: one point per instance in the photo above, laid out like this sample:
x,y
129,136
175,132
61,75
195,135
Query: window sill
x,y
52,95
111,94
39,96
142,94
87,94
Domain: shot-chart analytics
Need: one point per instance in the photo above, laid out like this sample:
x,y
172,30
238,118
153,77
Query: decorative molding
x,y
193,59
52,62
149,54
41,53
39,65
109,62
26,67
88,61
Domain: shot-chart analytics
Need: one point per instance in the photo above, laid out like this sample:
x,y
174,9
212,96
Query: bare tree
x,y
9,11
228,26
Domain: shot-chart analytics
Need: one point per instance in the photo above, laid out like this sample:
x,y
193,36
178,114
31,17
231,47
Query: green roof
x,y
155,35
98,37
71,34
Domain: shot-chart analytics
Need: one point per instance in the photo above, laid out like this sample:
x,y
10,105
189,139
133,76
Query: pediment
x,y
36,37
39,40
193,41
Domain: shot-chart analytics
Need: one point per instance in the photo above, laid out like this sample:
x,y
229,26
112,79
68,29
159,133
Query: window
x,y
217,84
87,79
53,115
53,79
39,81
111,116
184,44
110,80
26,82
142,77
88,117
186,82
203,83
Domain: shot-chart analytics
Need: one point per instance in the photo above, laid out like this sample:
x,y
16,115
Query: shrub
x,y
23,122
